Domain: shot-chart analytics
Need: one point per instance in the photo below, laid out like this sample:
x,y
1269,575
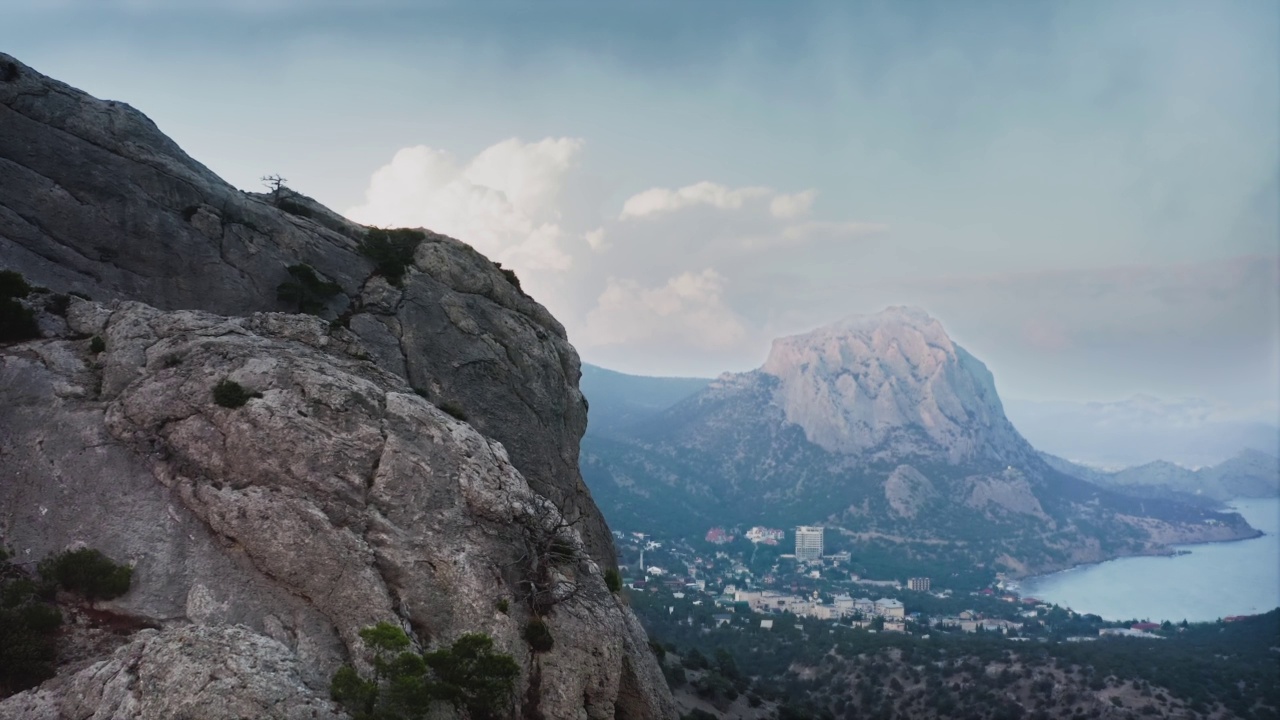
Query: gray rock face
x,y
336,499
340,497
212,673
891,382
95,199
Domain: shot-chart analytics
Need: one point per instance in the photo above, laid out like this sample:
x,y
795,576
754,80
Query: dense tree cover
x,y
1199,665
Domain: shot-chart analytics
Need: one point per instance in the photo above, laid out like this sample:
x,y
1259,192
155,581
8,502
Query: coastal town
x,y
723,581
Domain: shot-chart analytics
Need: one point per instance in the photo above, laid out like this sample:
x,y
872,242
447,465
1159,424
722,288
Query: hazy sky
x,y
1085,193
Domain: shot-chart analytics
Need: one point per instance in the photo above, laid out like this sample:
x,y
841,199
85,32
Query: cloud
x,y
662,200
595,239
504,201
831,230
689,308
786,207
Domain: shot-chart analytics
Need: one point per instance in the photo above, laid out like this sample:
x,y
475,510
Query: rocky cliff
x,y
341,496
892,383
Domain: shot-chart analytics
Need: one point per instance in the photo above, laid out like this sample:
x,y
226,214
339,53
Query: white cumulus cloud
x,y
689,308
664,200
504,201
786,207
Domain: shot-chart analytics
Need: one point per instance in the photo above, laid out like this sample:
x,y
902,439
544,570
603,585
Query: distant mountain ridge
x,y
884,427
1250,474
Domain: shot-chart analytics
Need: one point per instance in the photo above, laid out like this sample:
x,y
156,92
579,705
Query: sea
x,y
1204,582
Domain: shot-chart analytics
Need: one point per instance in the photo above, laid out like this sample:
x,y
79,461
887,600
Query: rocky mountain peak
x,y
891,381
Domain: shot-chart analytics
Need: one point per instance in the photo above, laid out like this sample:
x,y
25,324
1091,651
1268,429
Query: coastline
x,y
1198,581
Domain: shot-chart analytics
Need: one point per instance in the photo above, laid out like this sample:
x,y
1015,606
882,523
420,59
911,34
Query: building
x,y
919,584
889,608
767,536
808,543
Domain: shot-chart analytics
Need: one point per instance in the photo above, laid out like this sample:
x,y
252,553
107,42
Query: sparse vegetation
x,y
294,207
305,291
538,635
28,629
468,675
454,409
510,275
231,394
17,322
613,580
97,344
87,573
391,251
504,606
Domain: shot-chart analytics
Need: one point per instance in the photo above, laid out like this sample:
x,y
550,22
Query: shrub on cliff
x,y
87,573
391,251
468,675
305,290
28,630
17,322
231,394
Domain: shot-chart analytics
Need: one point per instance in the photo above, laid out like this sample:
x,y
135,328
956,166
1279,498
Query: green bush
x,y
28,629
391,251
87,573
503,606
510,275
454,409
97,344
13,285
468,675
538,635
231,394
58,304
305,290
294,208
613,580
17,322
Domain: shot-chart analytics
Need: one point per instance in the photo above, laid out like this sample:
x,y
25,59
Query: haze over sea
x,y
1209,582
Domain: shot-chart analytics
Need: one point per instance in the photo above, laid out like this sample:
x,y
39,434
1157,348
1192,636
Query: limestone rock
x,y
95,199
891,382
341,495
212,673
334,499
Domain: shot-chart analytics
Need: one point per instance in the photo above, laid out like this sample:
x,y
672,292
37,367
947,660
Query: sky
x,y
1085,193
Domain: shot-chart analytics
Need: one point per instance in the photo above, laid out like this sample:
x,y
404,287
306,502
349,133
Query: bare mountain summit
x,y
890,384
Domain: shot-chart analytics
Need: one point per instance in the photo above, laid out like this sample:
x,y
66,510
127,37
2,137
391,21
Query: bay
x,y
1208,582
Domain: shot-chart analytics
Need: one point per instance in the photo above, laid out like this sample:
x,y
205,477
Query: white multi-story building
x,y
808,543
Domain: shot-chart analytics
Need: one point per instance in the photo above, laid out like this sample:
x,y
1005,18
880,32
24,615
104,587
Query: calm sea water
x,y
1214,580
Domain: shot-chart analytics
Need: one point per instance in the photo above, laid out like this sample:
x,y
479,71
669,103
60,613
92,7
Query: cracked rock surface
x,y
224,673
95,199
337,499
